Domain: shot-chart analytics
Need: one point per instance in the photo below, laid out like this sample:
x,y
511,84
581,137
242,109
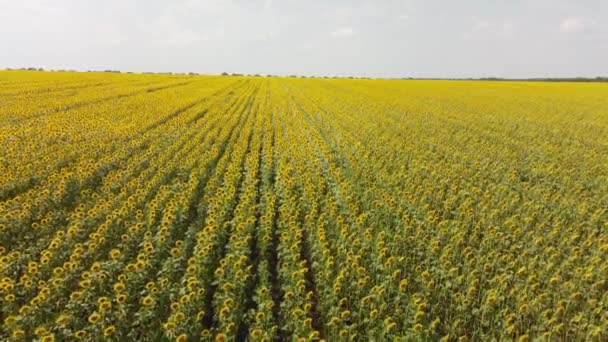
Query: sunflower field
x,y
140,207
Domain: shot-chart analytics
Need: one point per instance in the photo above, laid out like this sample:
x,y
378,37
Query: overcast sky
x,y
418,38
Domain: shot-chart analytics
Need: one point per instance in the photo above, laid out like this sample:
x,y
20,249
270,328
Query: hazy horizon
x,y
411,38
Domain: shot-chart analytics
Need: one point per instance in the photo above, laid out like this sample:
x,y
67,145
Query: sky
x,y
373,38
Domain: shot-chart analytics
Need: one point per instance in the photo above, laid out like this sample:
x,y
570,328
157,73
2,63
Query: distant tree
x,y
224,74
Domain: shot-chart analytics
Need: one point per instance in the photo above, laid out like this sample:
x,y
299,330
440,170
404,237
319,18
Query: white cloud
x,y
576,24
482,25
265,36
343,32
403,17
490,30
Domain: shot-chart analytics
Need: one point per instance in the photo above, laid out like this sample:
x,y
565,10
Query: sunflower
x,y
48,338
36,300
119,287
109,331
18,334
80,334
121,298
39,331
403,285
148,301
94,318
62,319
180,316
169,326
256,333
115,254
105,306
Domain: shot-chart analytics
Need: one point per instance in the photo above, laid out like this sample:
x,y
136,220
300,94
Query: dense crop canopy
x,y
170,207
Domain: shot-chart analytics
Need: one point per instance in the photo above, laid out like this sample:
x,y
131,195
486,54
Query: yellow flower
x,y
256,333
492,298
121,298
169,326
180,316
24,309
94,318
403,285
115,254
182,338
62,319
36,300
373,314
109,331
10,320
104,306
119,287
48,338
148,301
80,334
18,334
39,331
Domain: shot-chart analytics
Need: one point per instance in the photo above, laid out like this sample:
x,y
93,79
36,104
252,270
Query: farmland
x,y
170,207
